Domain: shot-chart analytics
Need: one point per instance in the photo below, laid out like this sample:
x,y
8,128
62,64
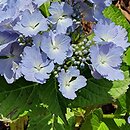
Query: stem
x,y
113,116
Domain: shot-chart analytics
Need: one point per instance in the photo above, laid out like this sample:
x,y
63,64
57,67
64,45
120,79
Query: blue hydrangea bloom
x,y
6,38
86,11
61,15
20,5
99,6
9,66
37,39
35,65
106,2
31,23
7,15
69,86
109,32
56,46
13,10
39,2
106,60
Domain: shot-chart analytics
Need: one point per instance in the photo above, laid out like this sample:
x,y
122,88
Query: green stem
x,y
113,115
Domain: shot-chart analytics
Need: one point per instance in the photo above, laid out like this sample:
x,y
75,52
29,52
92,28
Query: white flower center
x,y
103,60
107,38
39,67
33,25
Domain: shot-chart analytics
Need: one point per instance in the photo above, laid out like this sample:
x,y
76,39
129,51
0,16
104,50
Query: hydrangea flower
x,y
56,46
7,15
20,5
69,86
99,6
61,14
31,23
6,38
106,60
109,32
37,39
35,65
9,66
87,11
39,2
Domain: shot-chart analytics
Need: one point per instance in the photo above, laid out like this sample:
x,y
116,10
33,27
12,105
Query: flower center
x,y
33,26
67,84
103,60
38,67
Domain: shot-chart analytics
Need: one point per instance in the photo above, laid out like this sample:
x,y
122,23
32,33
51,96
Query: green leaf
x,y
110,123
94,121
39,119
126,57
42,119
17,97
128,100
44,9
103,126
120,87
115,15
119,122
101,91
49,95
95,93
23,96
124,103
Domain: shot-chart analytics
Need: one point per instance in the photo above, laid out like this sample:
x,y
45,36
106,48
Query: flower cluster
x,y
34,47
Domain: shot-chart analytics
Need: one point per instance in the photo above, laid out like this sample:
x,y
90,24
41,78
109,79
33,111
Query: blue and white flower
x,y
6,38
35,65
39,2
31,23
106,60
67,85
109,32
10,66
61,16
56,46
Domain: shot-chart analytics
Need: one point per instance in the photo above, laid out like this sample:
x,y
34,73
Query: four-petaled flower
x,y
61,16
31,23
106,60
56,46
68,85
35,65
109,32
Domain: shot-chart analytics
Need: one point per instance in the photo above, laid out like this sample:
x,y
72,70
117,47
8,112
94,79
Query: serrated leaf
x,y
49,95
126,57
120,87
119,122
22,96
95,93
101,91
17,97
115,15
